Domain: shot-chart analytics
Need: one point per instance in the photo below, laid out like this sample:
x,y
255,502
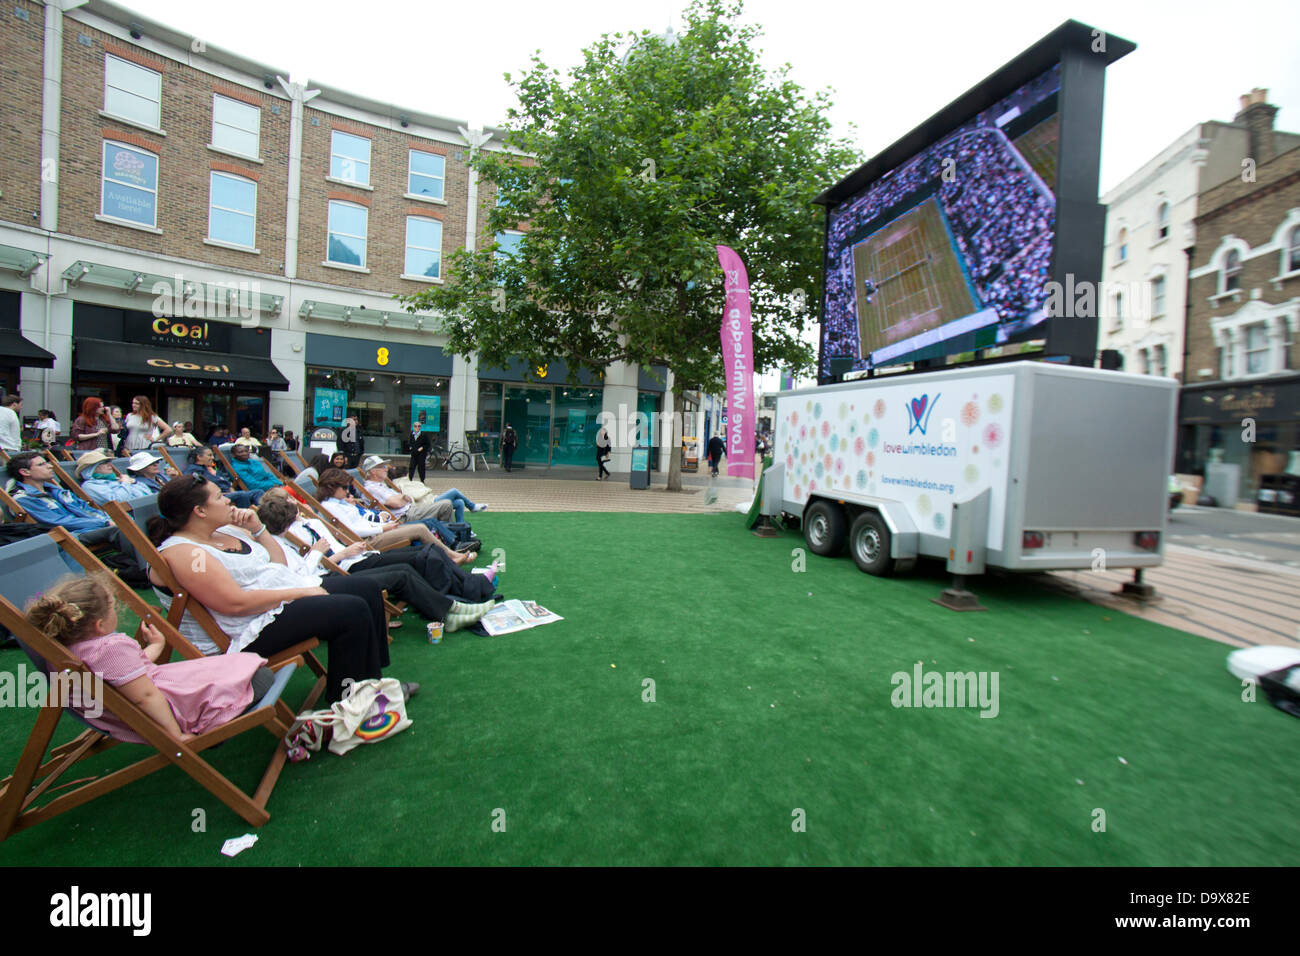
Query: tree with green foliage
x,y
624,178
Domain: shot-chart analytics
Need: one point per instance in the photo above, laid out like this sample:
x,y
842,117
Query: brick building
x,y
1239,418
180,222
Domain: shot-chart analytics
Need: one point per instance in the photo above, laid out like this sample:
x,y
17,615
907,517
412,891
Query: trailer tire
x,y
869,543
825,528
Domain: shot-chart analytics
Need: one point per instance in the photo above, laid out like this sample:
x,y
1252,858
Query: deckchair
x,y
25,568
131,525
178,456
295,460
13,510
221,452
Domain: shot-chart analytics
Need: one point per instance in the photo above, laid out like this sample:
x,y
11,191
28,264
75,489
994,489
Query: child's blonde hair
x,y
68,611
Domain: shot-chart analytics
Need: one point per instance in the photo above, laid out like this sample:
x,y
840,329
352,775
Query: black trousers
x,y
349,621
404,583
600,462
418,464
438,570
507,455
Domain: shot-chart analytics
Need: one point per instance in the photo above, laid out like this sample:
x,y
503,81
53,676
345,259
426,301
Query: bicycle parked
x,y
453,458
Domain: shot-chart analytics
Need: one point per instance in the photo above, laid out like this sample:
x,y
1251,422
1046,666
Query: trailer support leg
x,y
1138,588
957,598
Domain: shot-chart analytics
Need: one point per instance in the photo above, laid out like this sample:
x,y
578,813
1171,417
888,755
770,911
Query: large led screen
x,y
952,249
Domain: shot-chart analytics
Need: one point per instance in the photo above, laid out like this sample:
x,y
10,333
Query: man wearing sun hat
x,y
102,483
144,468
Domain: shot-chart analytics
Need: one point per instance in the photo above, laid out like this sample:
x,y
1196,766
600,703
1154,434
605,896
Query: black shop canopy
x,y
18,352
177,366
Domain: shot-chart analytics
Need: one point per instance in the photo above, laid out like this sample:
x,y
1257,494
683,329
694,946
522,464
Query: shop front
x,y
1244,439
207,372
384,385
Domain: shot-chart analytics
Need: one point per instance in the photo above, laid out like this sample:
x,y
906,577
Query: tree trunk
x,y
675,450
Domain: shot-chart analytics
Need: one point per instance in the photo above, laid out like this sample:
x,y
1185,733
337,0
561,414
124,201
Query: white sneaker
x,y
480,507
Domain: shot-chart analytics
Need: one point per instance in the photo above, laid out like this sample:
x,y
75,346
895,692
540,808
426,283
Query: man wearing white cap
x,y
102,483
403,507
144,468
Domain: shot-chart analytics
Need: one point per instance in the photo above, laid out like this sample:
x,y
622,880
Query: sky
x,y
888,66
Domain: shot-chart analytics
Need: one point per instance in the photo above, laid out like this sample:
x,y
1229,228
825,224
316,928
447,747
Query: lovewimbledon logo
x,y
102,909
950,689
918,413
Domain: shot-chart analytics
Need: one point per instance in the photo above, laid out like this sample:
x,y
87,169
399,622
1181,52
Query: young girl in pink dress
x,y
185,698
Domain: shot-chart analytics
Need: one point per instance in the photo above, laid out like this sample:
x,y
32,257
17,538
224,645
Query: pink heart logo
x,y
918,407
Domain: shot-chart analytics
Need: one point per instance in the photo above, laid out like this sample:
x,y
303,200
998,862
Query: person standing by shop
x,y
421,444
143,427
11,424
603,447
509,441
94,427
351,443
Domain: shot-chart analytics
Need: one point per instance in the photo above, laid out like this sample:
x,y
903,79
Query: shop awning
x,y
18,352
177,366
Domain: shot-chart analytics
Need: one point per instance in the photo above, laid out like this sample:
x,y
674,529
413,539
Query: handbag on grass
x,y
371,710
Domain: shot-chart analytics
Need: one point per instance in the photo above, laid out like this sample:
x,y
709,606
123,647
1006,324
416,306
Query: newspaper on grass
x,y
510,616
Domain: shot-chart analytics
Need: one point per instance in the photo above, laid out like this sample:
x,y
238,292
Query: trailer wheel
x,y
825,528
869,544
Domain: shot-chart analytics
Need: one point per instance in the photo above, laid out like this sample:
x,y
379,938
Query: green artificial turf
x,y
772,694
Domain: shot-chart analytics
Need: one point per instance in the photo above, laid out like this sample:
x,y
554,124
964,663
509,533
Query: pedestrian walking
x,y
716,449
603,447
509,441
421,445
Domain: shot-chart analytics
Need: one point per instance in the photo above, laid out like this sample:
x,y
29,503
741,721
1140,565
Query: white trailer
x,y
1028,466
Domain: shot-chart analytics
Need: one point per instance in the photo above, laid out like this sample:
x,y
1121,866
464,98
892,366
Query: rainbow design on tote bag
x,y
378,725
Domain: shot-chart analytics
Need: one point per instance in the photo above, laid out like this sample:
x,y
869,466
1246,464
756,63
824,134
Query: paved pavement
x,y
576,489
1231,576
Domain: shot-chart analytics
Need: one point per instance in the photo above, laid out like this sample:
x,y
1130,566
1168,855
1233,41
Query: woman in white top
x,y
223,557
143,427
377,527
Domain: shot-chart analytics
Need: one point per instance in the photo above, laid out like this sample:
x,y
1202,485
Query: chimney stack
x,y
1257,116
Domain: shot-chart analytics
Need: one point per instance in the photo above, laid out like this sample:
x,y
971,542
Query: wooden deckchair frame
x,y
183,602
35,775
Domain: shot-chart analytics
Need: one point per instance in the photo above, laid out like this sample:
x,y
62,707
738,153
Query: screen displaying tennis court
x,y
951,249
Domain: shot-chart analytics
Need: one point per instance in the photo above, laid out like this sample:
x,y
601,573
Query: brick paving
x,y
1236,601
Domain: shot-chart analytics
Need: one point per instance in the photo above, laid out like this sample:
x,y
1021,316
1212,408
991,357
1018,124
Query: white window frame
x,y
1158,293
506,232
329,214
346,158
1117,312
1122,239
256,130
411,174
1291,252
406,252
1264,350
1162,220
155,122
104,178
243,179
1228,274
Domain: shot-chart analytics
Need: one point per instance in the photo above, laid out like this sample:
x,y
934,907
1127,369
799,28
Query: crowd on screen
x,y
998,210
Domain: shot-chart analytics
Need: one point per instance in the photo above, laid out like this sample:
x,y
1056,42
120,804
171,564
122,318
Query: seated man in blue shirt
x,y
33,488
251,470
205,464
102,483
